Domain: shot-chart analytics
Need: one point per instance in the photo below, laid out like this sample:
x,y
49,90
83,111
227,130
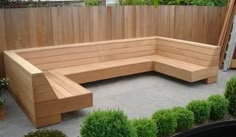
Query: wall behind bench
x,y
38,27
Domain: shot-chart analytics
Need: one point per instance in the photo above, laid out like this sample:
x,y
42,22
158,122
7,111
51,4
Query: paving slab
x,y
138,95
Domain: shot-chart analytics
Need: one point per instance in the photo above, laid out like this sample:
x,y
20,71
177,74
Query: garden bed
x,y
225,128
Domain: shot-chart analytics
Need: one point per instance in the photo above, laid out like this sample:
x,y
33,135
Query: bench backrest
x,y
192,52
79,54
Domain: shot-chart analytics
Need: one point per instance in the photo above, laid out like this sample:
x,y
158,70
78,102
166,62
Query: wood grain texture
x,y
20,87
39,27
45,81
3,42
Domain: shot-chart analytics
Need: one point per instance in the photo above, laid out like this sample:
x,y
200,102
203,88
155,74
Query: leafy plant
x,y
46,133
3,83
165,121
194,2
92,2
184,117
230,94
132,2
201,110
219,106
107,123
145,127
3,3
1,102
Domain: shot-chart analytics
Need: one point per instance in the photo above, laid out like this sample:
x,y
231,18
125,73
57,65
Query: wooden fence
x,y
38,27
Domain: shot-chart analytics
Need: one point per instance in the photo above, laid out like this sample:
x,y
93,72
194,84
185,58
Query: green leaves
x,y
201,110
46,133
92,2
145,127
230,94
107,123
4,83
219,106
194,2
155,3
184,117
165,121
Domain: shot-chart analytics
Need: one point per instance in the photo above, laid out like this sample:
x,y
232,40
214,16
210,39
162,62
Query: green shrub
x,y
201,110
3,83
132,2
145,127
46,133
92,2
184,117
107,123
230,94
1,102
194,2
219,106
165,121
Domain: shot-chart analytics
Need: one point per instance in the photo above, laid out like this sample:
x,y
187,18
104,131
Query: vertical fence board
x,y
40,20
3,44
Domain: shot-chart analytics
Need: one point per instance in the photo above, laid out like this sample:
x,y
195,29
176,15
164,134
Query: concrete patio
x,y
138,95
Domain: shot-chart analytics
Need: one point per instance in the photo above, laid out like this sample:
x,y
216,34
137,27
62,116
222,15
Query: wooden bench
x,y
46,81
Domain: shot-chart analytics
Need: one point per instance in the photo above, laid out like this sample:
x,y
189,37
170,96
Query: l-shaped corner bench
x,y
46,81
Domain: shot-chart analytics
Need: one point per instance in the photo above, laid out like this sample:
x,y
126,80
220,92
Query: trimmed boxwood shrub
x,y
165,121
184,117
107,123
46,133
230,94
219,106
145,127
201,110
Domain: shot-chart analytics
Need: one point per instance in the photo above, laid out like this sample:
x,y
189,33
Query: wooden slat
x,y
128,44
176,63
127,55
187,45
67,63
102,65
188,59
62,58
68,84
233,63
48,52
18,76
187,53
111,72
63,105
3,41
41,122
126,50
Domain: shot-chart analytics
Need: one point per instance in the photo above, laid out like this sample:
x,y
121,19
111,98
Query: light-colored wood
x,y
63,105
41,122
20,87
40,27
233,63
211,80
3,41
113,70
51,75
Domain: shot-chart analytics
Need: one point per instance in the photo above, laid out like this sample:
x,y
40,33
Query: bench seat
x,y
51,76
104,70
181,69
